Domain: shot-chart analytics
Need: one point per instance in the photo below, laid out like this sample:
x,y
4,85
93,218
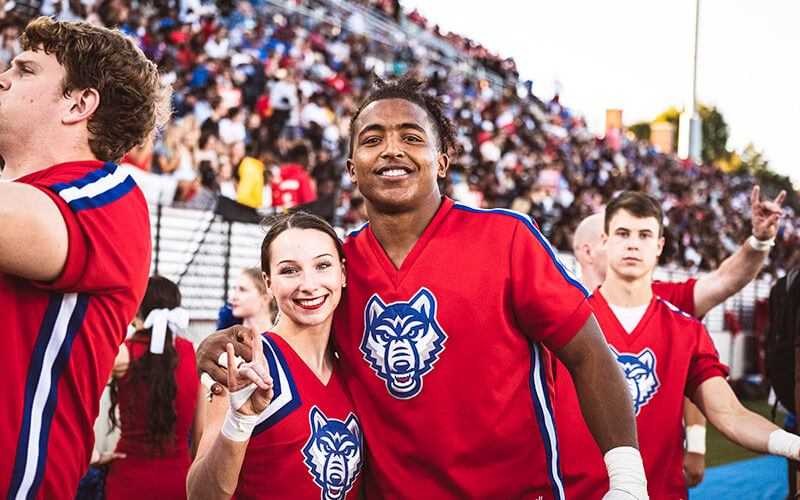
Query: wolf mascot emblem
x,y
402,341
640,373
333,453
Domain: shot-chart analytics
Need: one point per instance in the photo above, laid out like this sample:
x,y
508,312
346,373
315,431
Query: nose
x,y
5,80
393,147
308,283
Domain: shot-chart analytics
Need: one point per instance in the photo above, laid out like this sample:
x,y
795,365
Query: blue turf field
x,y
757,479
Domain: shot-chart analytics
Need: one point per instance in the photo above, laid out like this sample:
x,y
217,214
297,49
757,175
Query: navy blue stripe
x,y
104,198
674,309
294,403
34,372
529,223
356,232
60,364
554,475
93,176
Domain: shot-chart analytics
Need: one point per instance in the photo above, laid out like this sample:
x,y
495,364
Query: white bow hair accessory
x,y
159,320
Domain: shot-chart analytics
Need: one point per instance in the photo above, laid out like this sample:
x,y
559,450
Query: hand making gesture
x,y
249,384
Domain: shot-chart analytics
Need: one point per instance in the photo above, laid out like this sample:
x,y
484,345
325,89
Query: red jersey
x,y
293,187
308,443
147,471
678,293
62,337
446,360
668,355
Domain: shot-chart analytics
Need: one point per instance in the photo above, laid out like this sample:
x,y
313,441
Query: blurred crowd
x,y
264,92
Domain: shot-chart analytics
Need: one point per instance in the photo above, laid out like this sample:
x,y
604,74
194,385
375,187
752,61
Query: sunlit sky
x,y
636,55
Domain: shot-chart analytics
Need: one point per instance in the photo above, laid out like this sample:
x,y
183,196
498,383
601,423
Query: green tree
x,y
641,130
715,135
752,161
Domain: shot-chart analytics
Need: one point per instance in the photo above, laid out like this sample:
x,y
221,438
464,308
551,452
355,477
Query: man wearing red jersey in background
x,y
74,241
664,354
695,296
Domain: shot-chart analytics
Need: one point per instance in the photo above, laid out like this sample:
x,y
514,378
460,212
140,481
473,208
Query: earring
x,y
344,285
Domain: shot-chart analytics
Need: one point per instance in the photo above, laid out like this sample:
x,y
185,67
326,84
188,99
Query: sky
x,y
636,55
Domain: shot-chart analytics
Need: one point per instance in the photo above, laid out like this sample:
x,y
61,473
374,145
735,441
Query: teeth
x,y
395,172
311,302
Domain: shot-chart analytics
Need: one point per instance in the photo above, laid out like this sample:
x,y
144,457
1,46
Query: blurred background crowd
x,y
264,92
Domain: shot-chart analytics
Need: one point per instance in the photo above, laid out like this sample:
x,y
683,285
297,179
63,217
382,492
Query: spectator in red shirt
x,y
294,186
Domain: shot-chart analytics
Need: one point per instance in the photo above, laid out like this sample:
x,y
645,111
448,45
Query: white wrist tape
x,y
761,245
784,444
240,397
696,439
223,360
626,472
238,426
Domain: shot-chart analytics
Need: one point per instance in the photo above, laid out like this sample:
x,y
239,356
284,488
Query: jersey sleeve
x,y
108,227
705,361
549,302
680,294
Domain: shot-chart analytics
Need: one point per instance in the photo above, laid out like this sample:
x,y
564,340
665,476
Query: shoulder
x,y
88,185
677,315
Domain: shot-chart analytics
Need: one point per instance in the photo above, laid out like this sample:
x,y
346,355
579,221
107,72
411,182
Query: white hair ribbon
x,y
159,320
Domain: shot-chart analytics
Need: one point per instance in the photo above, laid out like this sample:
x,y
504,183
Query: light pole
x,y
690,134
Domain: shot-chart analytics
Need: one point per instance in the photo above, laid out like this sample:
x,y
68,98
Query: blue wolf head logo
x,y
640,373
402,341
333,453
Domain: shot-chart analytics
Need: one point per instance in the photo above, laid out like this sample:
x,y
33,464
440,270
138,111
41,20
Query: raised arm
x,y
606,406
743,266
33,234
229,423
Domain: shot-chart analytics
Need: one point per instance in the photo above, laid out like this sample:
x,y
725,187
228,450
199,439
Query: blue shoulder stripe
x,y
528,221
96,189
674,309
285,397
356,232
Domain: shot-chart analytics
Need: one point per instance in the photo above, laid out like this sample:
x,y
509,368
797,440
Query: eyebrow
x,y
402,126
25,62
292,261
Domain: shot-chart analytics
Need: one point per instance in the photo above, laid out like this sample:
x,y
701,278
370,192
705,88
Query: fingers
x,y
232,370
256,374
779,199
755,196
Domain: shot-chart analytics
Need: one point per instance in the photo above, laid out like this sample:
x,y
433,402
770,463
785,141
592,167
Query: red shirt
x,y
447,357
293,187
62,337
680,294
308,443
668,355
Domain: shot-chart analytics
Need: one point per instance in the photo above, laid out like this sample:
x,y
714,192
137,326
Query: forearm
x,y
603,396
216,474
692,414
605,403
732,275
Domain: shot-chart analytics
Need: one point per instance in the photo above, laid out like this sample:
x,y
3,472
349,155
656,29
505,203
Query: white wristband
x,y
696,439
238,426
626,472
238,398
784,444
761,245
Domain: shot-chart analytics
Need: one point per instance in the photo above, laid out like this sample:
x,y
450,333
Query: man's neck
x,y
624,292
399,232
34,159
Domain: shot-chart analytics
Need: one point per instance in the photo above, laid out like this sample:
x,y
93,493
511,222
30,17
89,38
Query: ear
x,y
660,246
344,274
374,309
268,283
352,425
83,104
423,302
443,162
318,420
648,359
585,251
351,170
604,239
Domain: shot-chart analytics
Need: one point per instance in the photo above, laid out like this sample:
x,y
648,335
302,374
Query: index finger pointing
x,y
754,197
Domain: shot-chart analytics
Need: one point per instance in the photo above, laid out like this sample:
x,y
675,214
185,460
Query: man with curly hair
x,y
74,240
446,333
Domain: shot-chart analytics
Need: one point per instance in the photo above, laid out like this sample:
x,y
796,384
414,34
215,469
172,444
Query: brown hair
x,y
254,273
639,204
295,220
132,100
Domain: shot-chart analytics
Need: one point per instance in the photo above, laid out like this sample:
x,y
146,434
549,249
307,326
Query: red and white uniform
x,y
668,355
61,338
308,443
293,187
148,471
678,293
446,360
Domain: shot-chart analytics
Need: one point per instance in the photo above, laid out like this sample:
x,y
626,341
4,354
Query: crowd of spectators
x,y
264,91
